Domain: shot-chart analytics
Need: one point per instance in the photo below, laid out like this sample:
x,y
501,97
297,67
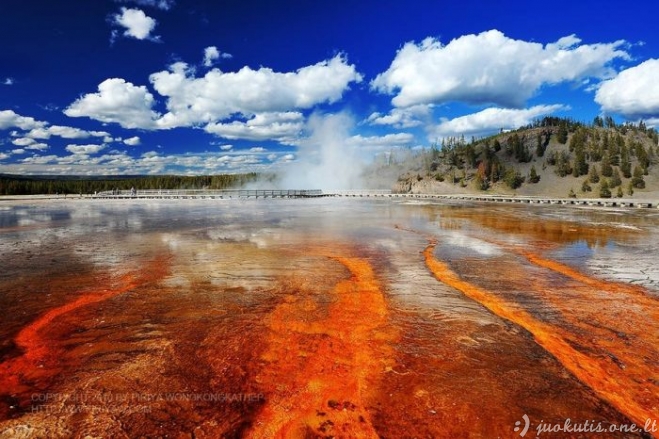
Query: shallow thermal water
x,y
325,318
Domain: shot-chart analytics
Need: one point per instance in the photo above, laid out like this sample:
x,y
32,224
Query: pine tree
x,y
539,147
563,167
533,175
630,189
605,141
626,167
615,179
595,152
619,193
637,181
607,170
604,189
513,178
643,157
594,176
561,136
580,164
495,171
610,123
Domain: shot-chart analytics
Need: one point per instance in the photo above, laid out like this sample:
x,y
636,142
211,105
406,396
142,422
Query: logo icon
x,y
527,424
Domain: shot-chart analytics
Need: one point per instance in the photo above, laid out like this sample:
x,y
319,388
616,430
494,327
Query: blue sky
x,y
204,87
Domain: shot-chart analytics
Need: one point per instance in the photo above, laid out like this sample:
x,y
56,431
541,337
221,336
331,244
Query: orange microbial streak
x,y
40,356
319,371
584,278
631,394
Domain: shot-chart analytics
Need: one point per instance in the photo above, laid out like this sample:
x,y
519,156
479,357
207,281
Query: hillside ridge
x,y
552,157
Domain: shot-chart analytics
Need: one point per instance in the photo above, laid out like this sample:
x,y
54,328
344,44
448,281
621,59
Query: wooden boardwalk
x,y
186,194
594,202
156,194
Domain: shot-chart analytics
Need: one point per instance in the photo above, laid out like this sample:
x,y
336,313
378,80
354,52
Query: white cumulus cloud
x,y
37,147
9,119
23,141
84,149
633,93
491,120
402,117
260,103
132,141
491,68
136,23
212,54
34,131
117,101
64,132
284,127
388,140
218,95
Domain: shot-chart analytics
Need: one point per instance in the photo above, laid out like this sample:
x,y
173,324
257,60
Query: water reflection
x,y
316,318
11,216
551,225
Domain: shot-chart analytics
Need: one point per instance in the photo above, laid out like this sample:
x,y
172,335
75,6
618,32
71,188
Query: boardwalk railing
x,y
314,193
210,193
357,193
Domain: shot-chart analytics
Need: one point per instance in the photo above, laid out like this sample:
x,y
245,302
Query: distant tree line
x,y
23,185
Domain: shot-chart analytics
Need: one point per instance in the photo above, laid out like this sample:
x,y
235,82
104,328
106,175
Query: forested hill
x,y
552,156
33,185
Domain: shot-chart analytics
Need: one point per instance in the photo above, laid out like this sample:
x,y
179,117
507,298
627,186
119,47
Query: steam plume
x,y
326,158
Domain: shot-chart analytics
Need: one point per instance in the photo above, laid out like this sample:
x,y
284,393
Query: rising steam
x,y
326,159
